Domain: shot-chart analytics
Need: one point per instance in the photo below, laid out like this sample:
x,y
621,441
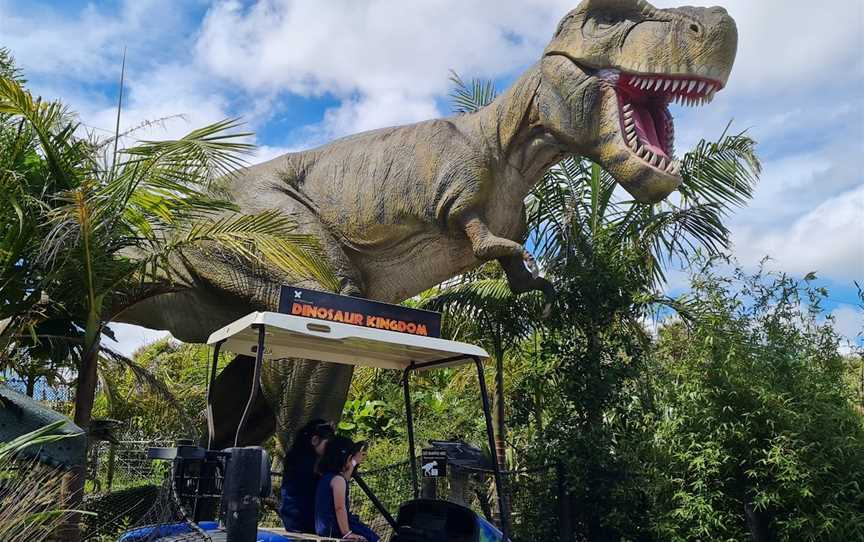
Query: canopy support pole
x,y
256,382
499,482
409,415
211,429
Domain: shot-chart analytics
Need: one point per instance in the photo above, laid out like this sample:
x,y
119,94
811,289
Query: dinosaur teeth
x,y
692,84
675,85
702,86
667,84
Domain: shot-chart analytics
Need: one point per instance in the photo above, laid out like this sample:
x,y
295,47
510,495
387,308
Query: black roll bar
x,y
487,413
406,387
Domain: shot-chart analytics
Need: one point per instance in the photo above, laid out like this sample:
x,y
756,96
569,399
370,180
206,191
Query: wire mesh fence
x,y
114,466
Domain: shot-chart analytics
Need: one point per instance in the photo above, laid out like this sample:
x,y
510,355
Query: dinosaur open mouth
x,y
646,123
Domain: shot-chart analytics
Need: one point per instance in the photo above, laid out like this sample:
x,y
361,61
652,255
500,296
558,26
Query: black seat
x,y
425,520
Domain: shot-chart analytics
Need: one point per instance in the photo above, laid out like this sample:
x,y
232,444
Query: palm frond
x,y
50,121
723,172
470,97
258,238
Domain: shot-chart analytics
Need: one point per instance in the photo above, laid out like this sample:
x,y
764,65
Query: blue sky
x,y
302,72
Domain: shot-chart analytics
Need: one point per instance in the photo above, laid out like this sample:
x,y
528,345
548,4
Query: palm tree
x,y
115,218
577,202
481,308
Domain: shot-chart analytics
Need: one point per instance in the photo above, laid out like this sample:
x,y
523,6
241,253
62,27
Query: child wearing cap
x,y
333,515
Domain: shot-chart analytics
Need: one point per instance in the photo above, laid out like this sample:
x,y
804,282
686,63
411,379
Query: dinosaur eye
x,y
604,21
600,23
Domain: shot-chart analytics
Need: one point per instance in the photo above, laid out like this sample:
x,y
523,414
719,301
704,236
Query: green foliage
x,y
367,419
752,413
149,406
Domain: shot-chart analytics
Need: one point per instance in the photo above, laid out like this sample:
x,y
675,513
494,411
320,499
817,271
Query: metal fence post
x,y
111,458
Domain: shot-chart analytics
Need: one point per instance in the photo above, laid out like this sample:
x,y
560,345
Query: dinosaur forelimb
x,y
486,245
521,280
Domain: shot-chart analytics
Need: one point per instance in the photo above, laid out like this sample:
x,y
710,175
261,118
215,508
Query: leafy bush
x,y
755,433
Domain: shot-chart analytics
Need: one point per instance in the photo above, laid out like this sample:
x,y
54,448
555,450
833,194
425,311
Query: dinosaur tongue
x,y
646,128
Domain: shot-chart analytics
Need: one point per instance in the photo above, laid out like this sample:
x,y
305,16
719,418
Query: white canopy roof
x,y
289,336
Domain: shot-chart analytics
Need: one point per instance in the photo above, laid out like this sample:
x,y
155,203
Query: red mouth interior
x,y
651,125
645,119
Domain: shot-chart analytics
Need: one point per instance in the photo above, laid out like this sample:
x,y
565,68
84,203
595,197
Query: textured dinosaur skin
x,y
399,210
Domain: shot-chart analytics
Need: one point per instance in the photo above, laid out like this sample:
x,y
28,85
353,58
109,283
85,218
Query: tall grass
x,y
30,497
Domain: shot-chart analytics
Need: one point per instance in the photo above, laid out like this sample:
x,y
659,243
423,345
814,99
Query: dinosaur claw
x,y
530,264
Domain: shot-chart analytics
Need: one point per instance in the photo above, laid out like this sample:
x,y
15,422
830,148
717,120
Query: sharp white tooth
x,y
657,84
692,84
710,96
675,85
644,153
645,84
701,88
627,108
667,84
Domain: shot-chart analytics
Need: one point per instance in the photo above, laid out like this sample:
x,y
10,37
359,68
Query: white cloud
x,y
386,60
829,239
130,338
849,322
786,44
87,44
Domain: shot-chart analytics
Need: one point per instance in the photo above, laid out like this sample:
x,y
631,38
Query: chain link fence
x,y
536,498
537,501
56,394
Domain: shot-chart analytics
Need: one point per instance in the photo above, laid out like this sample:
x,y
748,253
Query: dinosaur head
x,y
611,71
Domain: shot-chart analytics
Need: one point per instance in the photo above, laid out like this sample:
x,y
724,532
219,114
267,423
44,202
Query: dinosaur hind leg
x,y
230,394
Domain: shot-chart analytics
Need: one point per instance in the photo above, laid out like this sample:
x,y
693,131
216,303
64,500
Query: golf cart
x,y
330,328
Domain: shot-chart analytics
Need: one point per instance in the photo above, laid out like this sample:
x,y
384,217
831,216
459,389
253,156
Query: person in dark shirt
x,y
299,479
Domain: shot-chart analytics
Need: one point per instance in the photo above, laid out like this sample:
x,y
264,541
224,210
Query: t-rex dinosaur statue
x,y
401,209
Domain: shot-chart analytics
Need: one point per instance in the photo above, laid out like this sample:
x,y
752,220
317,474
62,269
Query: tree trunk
x,y
498,417
31,385
499,423
85,396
